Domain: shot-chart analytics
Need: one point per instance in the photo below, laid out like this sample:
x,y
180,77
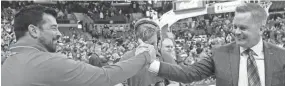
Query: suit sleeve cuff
x,y
154,67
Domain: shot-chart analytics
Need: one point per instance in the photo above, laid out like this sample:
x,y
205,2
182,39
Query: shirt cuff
x,y
154,67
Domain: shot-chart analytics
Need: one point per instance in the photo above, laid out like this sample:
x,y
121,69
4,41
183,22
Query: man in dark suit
x,y
247,62
35,63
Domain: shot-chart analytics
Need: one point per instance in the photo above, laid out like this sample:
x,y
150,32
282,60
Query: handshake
x,y
148,48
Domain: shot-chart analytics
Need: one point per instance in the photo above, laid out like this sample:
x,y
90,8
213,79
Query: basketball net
x,y
266,6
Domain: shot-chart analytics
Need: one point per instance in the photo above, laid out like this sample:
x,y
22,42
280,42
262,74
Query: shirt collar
x,y
258,48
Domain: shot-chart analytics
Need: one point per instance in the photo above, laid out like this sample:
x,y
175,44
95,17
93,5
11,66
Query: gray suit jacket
x,y
225,65
37,67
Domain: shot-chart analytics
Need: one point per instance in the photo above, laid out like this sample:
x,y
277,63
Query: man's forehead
x,y
242,18
49,19
167,42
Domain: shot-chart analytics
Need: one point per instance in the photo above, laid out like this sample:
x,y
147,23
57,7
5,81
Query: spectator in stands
x,y
167,46
60,14
101,15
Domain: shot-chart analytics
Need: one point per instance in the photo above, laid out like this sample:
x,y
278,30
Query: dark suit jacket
x,y
225,65
144,77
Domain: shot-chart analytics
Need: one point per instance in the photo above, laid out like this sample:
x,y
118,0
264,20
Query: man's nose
x,y
58,34
237,31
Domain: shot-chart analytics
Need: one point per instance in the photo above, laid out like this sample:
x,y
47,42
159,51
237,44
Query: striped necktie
x,y
252,71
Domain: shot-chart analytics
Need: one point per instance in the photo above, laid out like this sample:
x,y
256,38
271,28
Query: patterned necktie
x,y
252,71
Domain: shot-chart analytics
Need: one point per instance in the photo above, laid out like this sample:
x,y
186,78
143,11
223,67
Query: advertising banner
x,y
226,7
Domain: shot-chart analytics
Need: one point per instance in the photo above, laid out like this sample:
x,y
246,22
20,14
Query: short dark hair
x,y
145,29
32,14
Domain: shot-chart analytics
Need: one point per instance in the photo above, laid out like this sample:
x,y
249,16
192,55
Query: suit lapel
x,y
268,62
234,59
269,57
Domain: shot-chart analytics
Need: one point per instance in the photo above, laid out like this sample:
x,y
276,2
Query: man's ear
x,y
262,29
159,45
33,31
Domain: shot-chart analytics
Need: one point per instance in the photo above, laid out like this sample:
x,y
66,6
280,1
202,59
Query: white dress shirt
x,y
259,59
243,79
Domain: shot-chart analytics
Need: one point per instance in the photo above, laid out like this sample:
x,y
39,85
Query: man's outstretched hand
x,y
146,47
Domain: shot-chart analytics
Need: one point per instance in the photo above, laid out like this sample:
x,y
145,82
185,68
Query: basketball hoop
x,y
266,6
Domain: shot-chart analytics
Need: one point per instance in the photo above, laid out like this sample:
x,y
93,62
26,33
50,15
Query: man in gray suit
x,y
247,62
35,63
